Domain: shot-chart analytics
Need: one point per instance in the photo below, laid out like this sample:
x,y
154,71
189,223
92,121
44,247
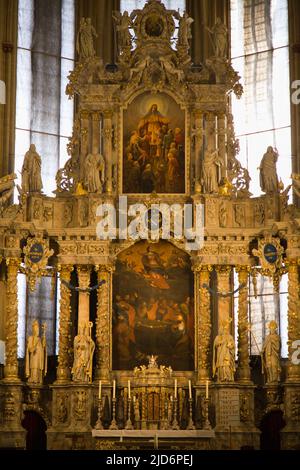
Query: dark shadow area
x,y
36,438
270,427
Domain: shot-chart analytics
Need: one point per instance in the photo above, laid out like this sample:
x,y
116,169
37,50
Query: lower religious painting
x,y
154,145
153,311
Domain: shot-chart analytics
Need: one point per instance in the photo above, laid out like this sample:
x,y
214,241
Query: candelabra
x,y
165,422
128,422
175,424
113,424
191,422
207,424
99,424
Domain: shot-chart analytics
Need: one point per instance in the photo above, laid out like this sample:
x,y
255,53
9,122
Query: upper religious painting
x,y
154,145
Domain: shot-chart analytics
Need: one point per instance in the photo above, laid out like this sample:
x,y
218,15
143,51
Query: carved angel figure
x,y
123,23
184,33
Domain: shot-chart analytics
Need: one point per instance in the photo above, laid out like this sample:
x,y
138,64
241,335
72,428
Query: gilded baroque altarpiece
x,y
156,128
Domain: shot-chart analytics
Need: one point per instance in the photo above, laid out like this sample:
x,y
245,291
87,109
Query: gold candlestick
x,y
113,424
175,424
99,424
191,422
128,422
207,424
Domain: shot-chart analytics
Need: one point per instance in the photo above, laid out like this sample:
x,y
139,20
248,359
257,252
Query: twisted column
x,y
204,323
293,318
63,369
103,323
11,321
243,370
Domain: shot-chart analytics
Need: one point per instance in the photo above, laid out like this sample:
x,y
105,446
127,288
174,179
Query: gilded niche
x,y
153,311
154,145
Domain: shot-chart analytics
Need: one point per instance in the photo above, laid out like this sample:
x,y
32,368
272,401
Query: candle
x,y
206,390
175,389
114,389
190,390
100,389
129,389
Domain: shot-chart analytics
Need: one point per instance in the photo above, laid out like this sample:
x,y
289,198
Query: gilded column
x,y
293,374
198,147
204,323
11,321
107,148
84,273
64,363
103,323
243,371
224,286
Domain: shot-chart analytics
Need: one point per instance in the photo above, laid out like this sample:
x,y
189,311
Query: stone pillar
x,y
103,323
198,147
293,373
210,131
63,369
11,321
96,131
84,274
243,370
107,148
85,124
222,143
202,276
224,286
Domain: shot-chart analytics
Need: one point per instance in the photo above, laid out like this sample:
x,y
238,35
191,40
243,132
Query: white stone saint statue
x,y
268,172
210,171
31,171
84,348
94,172
36,356
224,355
219,34
85,39
271,355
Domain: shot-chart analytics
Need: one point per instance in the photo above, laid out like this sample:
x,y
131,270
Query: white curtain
x,y
44,116
260,53
130,5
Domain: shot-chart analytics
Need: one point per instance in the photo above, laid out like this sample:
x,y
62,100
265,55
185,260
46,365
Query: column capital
x,y
65,269
13,262
243,269
198,268
223,268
